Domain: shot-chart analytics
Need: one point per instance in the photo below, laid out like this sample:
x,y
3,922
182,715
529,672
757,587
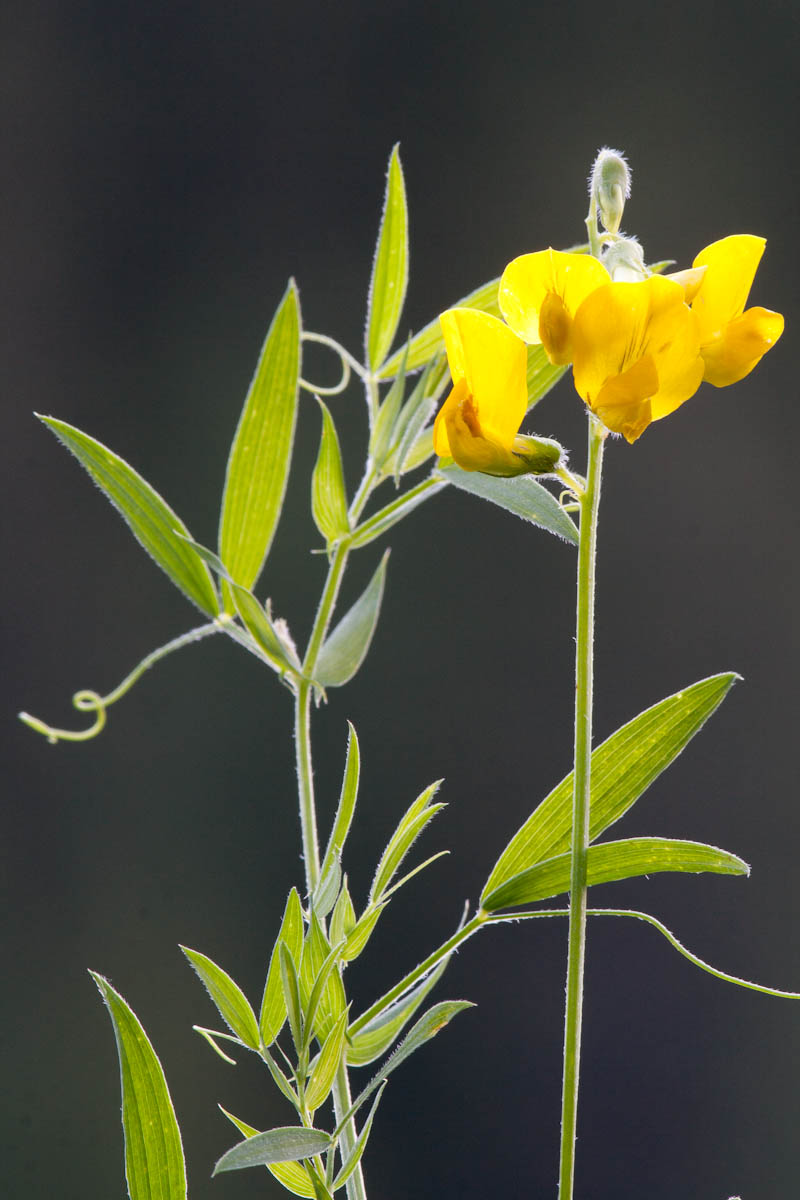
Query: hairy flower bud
x,y
610,185
541,456
624,261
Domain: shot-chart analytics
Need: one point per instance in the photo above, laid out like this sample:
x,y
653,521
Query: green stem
x,y
589,503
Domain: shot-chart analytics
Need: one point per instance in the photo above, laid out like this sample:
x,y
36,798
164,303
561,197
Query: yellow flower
x,y
636,353
732,341
478,422
540,294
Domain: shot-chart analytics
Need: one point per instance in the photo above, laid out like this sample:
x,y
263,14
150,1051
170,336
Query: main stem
x,y
584,649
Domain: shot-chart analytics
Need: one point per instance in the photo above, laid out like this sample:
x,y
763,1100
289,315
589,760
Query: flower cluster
x,y
638,347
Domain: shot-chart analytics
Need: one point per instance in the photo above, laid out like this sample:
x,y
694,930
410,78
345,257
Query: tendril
x,y
89,701
662,929
348,363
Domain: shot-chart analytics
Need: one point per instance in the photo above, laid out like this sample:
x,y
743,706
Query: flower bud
x,y
624,261
538,455
610,185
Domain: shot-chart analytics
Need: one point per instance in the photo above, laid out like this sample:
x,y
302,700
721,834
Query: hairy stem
x,y
589,503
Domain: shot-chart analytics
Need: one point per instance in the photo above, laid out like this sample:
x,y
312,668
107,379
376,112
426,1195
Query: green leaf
x,y
321,991
327,889
291,995
152,522
383,520
328,497
347,800
523,497
384,433
382,1031
354,1157
324,1073
345,648
361,932
258,466
154,1165
273,1005
611,861
258,624
426,1028
293,1176
387,289
408,830
343,917
623,767
287,1144
231,1002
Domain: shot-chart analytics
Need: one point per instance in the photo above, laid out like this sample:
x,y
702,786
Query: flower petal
x,y
493,361
731,266
529,280
741,346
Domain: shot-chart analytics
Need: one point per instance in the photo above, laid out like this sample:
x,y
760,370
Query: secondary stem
x,y
589,503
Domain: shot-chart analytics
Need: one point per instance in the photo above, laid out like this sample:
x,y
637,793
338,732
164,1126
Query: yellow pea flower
x,y
636,353
540,294
477,424
732,340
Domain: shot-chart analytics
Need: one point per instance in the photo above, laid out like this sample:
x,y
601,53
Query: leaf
x,y
154,1164
408,830
343,917
381,1032
327,889
623,767
293,1176
383,520
287,1144
321,1082
347,800
321,989
387,289
345,648
291,995
384,432
232,1004
260,627
328,498
611,861
152,522
273,1005
418,409
523,497
426,1028
258,466
361,932
354,1157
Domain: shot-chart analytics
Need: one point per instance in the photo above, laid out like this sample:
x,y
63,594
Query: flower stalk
x,y
584,656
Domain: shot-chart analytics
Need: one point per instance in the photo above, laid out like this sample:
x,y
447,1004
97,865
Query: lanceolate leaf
x,y
154,1166
347,800
273,1004
387,288
523,497
258,466
611,861
233,1006
328,499
151,520
288,1144
623,767
375,1038
344,650
292,1175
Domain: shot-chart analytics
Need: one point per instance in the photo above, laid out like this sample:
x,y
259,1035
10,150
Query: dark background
x,y
165,169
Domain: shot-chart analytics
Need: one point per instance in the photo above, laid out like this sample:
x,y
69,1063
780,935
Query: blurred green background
x,y
166,167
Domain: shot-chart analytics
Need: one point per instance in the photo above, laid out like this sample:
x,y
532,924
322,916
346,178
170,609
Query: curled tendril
x,y
89,701
347,361
84,701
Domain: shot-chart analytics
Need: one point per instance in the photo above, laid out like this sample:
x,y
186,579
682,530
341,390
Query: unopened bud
x,y
538,455
610,185
624,261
